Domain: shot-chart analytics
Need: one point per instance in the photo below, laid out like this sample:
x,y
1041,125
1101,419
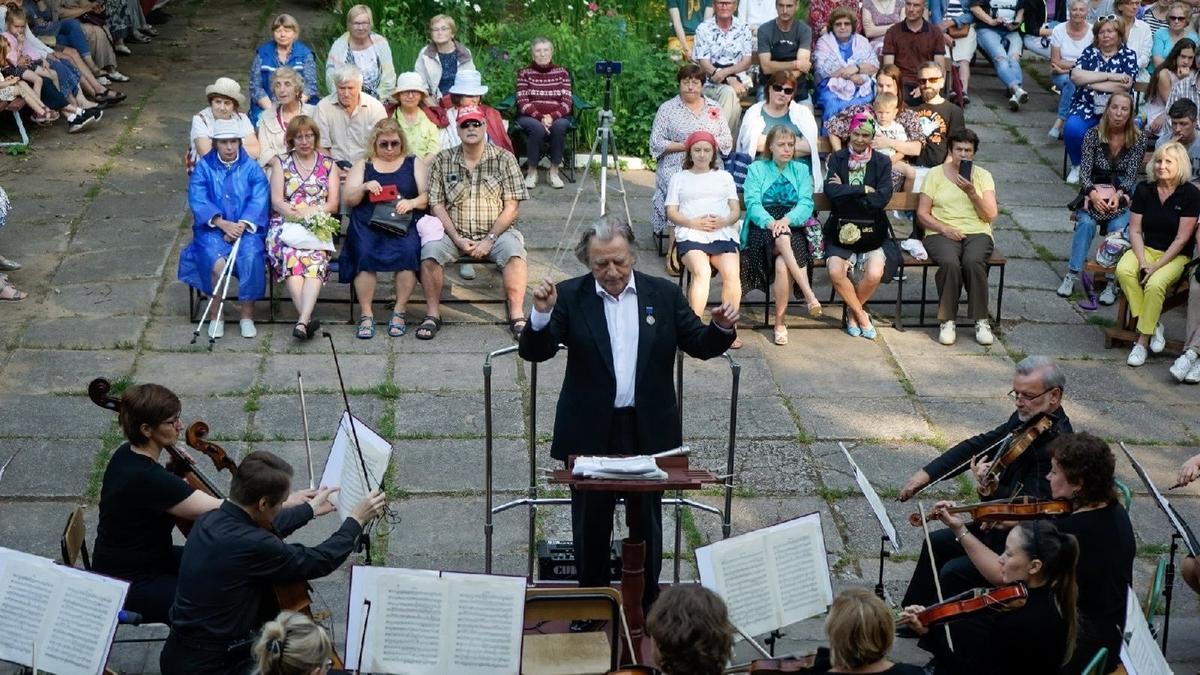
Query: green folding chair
x,y
1154,596
1126,494
508,109
1096,665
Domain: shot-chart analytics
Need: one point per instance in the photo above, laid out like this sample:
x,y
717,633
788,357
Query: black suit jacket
x,y
585,405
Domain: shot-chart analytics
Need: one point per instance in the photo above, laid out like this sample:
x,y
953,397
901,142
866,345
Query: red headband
x,y
698,136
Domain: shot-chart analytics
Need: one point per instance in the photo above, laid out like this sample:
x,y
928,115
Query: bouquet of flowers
x,y
322,225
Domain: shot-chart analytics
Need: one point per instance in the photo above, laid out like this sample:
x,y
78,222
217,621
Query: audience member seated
x,y
891,139
1185,369
887,81
1104,68
475,189
287,89
958,24
785,44
1182,115
467,92
778,194
724,50
439,62
284,50
685,17
365,49
12,87
677,118
702,203
859,185
690,631
304,183
41,72
820,10
67,31
1179,26
780,109
230,198
1035,29
225,101
126,23
1067,42
1178,65
347,117
1139,36
846,64
370,249
937,119
755,13
910,44
957,214
1156,15
292,644
75,77
104,58
861,632
877,17
1161,237
544,111
420,132
996,28
1112,156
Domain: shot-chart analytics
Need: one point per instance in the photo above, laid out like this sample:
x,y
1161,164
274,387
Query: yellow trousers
x,y
1146,302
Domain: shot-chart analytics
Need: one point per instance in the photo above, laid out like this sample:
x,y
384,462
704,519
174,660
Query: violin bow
x,y
937,583
304,419
9,461
964,463
753,643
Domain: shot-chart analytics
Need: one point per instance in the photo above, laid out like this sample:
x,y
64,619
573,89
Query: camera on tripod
x,y
608,68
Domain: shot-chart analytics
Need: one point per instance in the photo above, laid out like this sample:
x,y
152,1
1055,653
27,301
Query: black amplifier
x,y
556,560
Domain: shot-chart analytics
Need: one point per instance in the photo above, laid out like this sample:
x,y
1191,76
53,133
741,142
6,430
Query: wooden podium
x,y
633,548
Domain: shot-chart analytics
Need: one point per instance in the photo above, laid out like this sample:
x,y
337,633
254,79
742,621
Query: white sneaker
x,y
1109,295
1158,341
555,181
1193,376
1137,356
1014,102
216,329
1021,94
1184,365
1067,287
1073,177
104,80
946,334
247,328
466,271
530,181
983,332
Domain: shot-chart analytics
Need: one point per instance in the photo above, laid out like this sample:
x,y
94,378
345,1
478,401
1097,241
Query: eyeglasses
x,y
842,23
1017,396
388,145
1177,18
924,80
470,124
782,89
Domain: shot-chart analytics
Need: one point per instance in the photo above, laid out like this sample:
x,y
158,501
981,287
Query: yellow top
x,y
423,136
952,206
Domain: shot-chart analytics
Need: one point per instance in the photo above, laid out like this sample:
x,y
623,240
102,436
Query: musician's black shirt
x,y
133,538
1104,573
1027,476
1030,640
230,564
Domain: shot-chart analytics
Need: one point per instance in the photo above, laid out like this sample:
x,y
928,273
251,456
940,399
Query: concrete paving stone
x,y
44,371
957,419
106,298
770,467
174,334
454,526
998,155
1010,173
1120,420
476,340
52,417
1036,305
1058,244
206,373
759,416
26,476
915,341
1161,463
1059,340
82,332
225,416
359,371
455,465
141,262
1041,218
714,377
1034,194
755,513
278,416
887,466
1114,381
1189,413
982,376
1029,274
335,324
1013,244
33,526
848,367
860,418
436,414
863,531
450,371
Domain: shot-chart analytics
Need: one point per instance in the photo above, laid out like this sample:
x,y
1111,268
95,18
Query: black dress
x,y
370,250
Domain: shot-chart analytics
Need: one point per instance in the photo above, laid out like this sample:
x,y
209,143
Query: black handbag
x,y
385,218
861,234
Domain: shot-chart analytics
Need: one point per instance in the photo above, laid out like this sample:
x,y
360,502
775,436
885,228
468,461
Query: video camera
x,y
608,68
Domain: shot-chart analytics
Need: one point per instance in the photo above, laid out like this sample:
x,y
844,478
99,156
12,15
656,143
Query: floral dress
x,y
1087,99
673,124
300,190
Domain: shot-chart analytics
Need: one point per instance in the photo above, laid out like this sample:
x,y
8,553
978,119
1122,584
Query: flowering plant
x,y
322,225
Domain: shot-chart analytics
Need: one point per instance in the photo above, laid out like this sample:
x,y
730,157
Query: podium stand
x,y
633,548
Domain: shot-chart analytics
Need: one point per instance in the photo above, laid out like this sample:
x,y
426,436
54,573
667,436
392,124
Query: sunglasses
x,y
389,145
924,80
1177,18
1108,17
782,89
470,124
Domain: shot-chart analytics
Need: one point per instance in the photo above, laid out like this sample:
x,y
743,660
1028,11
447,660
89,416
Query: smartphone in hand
x,y
964,169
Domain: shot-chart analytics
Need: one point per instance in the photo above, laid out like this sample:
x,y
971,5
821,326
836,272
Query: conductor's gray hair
x,y
604,229
346,73
1052,376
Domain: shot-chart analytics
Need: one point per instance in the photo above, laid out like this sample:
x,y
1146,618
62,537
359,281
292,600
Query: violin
x,y
1017,446
973,602
1026,508
790,664
635,670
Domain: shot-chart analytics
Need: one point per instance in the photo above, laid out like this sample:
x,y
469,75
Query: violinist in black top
x,y
1037,391
232,562
1034,638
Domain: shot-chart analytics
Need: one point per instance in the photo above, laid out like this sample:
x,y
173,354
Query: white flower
x,y
477,8
391,23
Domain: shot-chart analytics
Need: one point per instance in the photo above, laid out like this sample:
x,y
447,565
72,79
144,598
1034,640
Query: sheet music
x,y
408,611
881,514
487,613
797,552
739,573
1140,653
344,470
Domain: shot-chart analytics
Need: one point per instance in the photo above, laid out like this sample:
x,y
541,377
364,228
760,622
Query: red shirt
x,y
913,48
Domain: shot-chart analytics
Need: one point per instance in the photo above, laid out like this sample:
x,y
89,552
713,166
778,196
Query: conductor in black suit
x,y
621,329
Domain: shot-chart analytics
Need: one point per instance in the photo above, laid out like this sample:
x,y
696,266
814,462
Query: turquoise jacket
x,y
761,175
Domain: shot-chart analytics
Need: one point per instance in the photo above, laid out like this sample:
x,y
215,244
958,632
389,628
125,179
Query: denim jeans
x,y
1085,230
1066,90
1074,130
1006,57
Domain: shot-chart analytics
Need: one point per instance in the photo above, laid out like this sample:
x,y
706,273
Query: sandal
x,y
814,309
398,325
47,118
737,343
312,327
366,327
516,329
110,96
781,335
429,327
300,331
9,293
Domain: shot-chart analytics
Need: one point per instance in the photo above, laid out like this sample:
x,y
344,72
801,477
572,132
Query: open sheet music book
x,y
425,622
71,615
1139,652
770,578
344,470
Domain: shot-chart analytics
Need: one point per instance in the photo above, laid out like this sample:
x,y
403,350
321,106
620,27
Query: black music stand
x,y
888,532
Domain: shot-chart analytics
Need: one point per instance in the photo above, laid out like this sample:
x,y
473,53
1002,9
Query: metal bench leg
x,y
1000,299
924,292
353,301
898,322
20,130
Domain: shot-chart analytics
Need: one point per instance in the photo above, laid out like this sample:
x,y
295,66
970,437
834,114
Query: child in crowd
x,y
12,87
887,108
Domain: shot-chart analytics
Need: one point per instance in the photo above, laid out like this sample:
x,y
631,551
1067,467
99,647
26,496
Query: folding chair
x,y
1096,665
508,109
14,106
563,653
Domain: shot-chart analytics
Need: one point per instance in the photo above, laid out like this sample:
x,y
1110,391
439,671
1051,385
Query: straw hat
x,y
228,88
408,82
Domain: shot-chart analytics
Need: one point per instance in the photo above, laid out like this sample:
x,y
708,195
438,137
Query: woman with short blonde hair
x,y
861,632
361,46
441,59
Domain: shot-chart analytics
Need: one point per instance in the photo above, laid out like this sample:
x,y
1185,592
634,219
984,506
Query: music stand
x,y
888,533
633,547
1181,532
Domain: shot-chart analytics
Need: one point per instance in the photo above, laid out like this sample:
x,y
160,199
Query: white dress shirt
x,y
621,316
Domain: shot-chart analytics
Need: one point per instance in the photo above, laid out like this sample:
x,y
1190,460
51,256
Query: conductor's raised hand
x,y
369,508
726,316
544,296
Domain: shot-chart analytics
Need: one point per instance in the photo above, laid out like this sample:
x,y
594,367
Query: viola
x,y
1025,508
1017,445
973,602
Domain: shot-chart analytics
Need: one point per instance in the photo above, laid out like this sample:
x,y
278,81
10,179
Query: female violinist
x,y
691,632
1035,638
861,632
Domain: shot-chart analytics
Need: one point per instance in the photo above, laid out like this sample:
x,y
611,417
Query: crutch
x,y
221,287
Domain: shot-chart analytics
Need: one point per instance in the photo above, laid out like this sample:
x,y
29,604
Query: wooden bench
x,y
1124,333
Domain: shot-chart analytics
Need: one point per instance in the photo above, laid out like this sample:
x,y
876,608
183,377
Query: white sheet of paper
x,y
881,514
344,470
797,552
1140,653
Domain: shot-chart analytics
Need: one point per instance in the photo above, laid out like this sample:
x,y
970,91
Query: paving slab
x,y
454,525
886,465
278,416
461,372
861,418
1063,341
433,414
218,372
49,416
1122,421
758,416
1037,305
44,371
968,376
107,298
82,333
957,419
174,334
359,371
1025,274
770,467
27,477
134,262
1035,219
